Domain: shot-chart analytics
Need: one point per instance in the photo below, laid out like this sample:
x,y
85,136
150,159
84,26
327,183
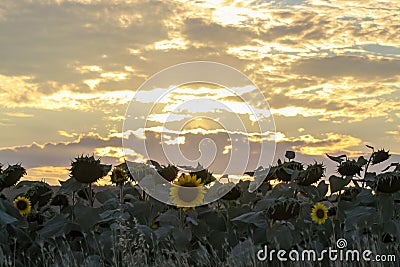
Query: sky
x,y
329,71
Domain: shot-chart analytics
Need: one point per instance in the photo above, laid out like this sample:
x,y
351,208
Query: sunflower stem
x,y
73,206
90,195
366,168
121,193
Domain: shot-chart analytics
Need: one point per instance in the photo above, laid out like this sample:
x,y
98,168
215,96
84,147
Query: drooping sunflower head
x,y
169,172
387,182
187,192
11,175
284,209
23,204
204,175
39,192
281,172
87,169
311,175
59,200
349,168
119,176
319,213
380,156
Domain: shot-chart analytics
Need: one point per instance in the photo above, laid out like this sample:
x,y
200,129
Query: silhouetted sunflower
x,y
11,175
187,192
23,204
118,176
311,175
87,169
319,213
380,156
349,168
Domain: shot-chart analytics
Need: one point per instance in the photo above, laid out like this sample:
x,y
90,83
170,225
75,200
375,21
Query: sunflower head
x,y
118,176
11,175
169,172
59,200
204,175
39,192
319,213
23,204
187,192
380,156
282,174
349,168
284,209
388,182
87,169
311,175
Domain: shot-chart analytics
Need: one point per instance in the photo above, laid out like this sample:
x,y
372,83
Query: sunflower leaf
x,y
6,219
338,159
338,183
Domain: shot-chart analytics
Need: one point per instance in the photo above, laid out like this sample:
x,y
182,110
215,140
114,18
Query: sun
x,y
23,204
319,213
187,192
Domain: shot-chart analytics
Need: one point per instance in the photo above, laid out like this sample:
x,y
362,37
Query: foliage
x,y
122,226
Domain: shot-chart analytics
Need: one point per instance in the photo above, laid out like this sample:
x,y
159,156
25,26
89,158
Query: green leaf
x,y
71,185
242,254
361,161
86,217
322,189
256,218
6,219
366,197
338,159
55,226
182,238
338,183
360,216
170,217
105,195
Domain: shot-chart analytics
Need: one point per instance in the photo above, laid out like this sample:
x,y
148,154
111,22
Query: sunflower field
x,y
296,207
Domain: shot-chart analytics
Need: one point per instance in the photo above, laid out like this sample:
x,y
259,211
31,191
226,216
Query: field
x,y
78,224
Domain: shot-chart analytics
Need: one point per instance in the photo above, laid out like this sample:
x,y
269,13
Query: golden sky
x,y
330,71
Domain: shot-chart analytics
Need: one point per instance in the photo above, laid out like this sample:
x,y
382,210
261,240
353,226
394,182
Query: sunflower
x,y
187,192
23,204
118,176
319,213
88,170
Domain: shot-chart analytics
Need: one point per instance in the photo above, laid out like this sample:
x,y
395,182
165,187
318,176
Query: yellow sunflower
x,y
319,213
118,176
23,204
187,192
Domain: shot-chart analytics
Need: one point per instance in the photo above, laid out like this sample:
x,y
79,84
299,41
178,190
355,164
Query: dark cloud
x,y
347,66
59,154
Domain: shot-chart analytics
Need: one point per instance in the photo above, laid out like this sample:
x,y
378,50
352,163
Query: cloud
x,y
199,30
347,66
